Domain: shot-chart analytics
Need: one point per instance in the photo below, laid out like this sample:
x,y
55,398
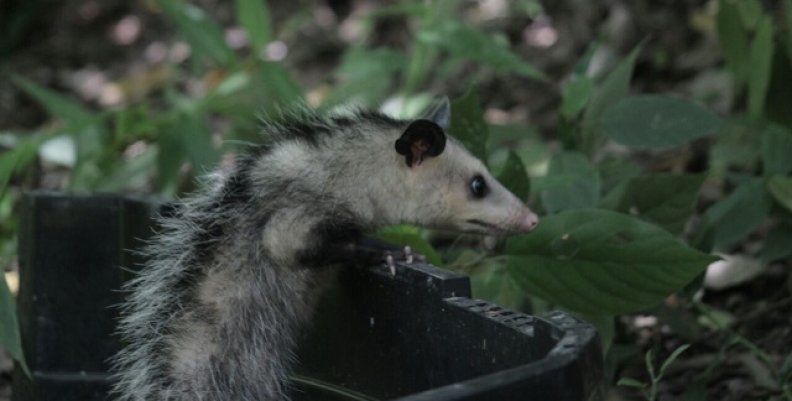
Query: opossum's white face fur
x,y
447,188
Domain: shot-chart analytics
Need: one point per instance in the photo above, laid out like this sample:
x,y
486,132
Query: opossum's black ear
x,y
421,139
440,114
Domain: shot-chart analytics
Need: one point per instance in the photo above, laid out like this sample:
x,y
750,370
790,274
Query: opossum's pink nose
x,y
528,221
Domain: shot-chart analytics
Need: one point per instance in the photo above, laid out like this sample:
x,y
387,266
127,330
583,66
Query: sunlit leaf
x,y
600,262
653,121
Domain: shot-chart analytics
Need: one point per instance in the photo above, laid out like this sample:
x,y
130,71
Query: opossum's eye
x,y
478,187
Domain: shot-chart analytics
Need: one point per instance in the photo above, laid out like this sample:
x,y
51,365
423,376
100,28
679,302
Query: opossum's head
x,y
449,188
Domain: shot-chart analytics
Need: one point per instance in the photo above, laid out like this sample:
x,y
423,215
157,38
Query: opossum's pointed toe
x,y
528,221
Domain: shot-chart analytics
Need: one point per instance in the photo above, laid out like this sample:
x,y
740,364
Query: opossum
x,y
234,271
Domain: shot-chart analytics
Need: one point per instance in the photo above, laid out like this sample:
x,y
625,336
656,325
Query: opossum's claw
x,y
391,264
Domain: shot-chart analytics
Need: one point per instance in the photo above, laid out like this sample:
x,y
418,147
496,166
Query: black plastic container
x,y
410,337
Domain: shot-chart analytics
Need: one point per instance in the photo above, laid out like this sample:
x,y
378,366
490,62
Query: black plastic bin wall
x,y
409,337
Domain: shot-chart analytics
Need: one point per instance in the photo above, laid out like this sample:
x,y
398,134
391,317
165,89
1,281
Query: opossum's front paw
x,y
405,255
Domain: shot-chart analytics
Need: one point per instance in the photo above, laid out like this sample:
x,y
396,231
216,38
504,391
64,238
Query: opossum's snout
x,y
528,221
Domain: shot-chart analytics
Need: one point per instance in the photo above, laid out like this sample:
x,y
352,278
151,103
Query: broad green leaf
x,y
733,39
254,16
666,200
577,184
734,217
761,57
468,125
777,244
657,122
9,327
600,262
776,151
56,104
611,90
203,34
515,178
576,95
781,188
465,42
405,235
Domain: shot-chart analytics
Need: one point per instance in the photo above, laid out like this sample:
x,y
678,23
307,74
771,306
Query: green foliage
x,y
203,34
468,125
653,121
571,183
254,16
650,389
9,329
600,262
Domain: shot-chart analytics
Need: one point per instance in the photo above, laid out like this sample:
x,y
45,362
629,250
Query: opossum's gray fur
x,y
232,274
236,269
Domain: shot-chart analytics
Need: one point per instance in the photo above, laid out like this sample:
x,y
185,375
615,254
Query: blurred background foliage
x,y
655,138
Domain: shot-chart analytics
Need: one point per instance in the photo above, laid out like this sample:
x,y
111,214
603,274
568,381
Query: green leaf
x,y
515,178
657,122
577,184
666,200
788,23
630,382
465,42
468,125
781,188
733,39
611,90
737,146
56,104
18,158
776,245
366,76
196,138
776,151
203,34
600,262
170,157
254,16
761,57
413,237
671,358
576,95
734,217
494,284
9,327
